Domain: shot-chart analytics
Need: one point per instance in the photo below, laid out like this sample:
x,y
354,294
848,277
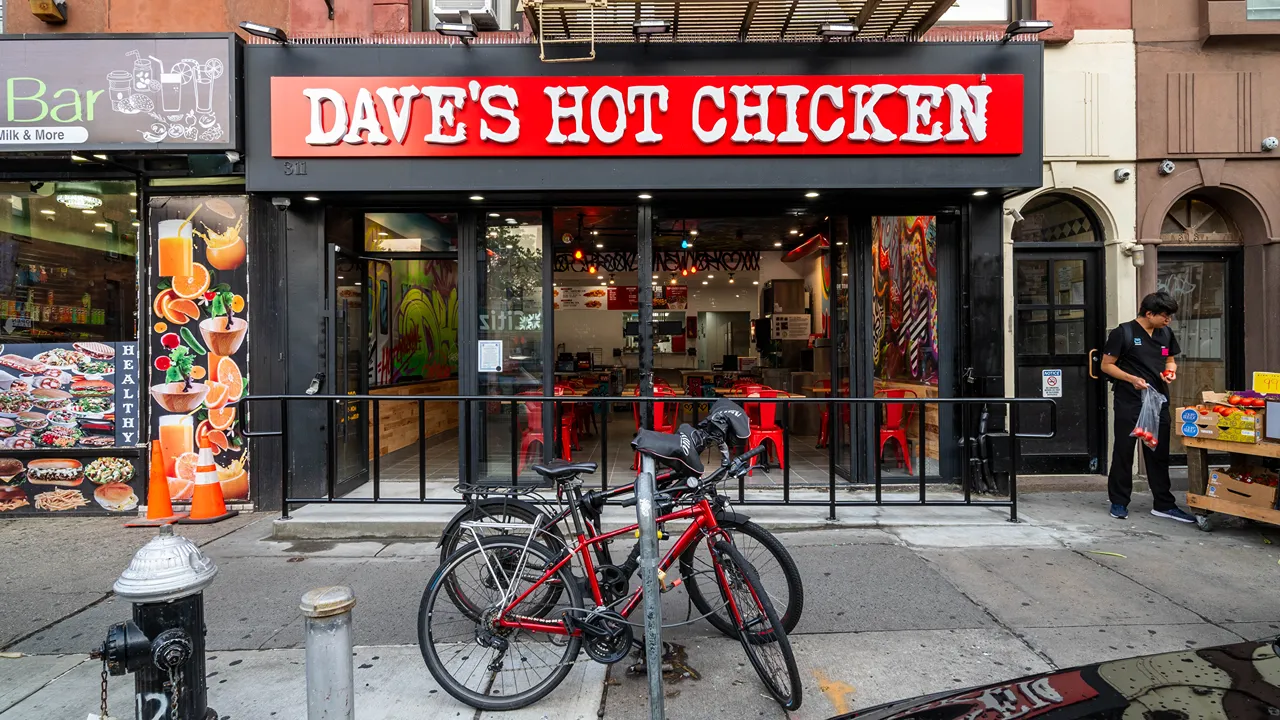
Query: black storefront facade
x,y
618,175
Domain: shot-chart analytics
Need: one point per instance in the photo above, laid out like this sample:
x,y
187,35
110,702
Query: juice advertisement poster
x,y
198,326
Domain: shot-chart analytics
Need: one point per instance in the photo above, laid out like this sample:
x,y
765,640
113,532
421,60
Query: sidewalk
x,y
902,608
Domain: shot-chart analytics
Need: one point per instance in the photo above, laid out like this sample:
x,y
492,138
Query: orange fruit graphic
x,y
217,395
221,418
162,301
180,310
237,304
225,252
185,466
214,359
229,374
197,372
235,480
160,328
181,489
194,285
217,439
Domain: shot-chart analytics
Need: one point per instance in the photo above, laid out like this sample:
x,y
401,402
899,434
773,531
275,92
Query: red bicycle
x,y
503,619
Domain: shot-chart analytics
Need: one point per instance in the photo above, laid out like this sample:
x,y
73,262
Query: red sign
x,y
626,297
628,116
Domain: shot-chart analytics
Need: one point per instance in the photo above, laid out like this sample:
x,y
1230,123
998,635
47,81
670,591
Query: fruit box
x,y
1225,487
1236,427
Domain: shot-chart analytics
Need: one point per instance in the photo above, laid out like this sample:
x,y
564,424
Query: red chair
x,y
661,422
824,386
533,432
766,428
568,415
896,417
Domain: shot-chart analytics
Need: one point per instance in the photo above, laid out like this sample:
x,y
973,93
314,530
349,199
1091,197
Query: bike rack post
x,y
649,581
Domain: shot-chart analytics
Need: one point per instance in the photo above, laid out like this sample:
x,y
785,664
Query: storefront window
x,y
905,329
410,232
1262,10
68,262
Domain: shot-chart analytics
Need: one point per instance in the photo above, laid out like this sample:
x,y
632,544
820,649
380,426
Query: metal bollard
x,y
163,645
330,678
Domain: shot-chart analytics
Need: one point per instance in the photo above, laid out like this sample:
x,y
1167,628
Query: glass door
x,y
348,368
1207,288
511,352
1057,338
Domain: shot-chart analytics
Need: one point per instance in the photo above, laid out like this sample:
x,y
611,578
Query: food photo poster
x,y
198,327
62,407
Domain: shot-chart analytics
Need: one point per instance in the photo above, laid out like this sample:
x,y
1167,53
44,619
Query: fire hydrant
x,y
163,645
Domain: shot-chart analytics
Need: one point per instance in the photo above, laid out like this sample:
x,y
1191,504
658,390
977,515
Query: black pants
x,y
1120,479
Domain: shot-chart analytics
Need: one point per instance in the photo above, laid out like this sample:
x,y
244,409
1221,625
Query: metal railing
x,y
840,427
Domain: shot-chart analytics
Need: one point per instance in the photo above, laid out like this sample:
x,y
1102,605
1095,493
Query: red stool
x,y
533,432
661,423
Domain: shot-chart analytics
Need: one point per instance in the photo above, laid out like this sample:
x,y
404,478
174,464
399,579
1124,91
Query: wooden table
x,y
1198,450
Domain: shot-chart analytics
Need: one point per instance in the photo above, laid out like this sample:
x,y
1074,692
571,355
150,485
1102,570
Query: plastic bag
x,y
1147,429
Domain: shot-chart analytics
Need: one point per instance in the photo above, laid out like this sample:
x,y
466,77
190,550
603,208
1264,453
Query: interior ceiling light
x,y
102,225
730,278
611,280
77,158
693,233
494,215
711,277
577,255
511,221
755,282
599,246
673,281
133,193
645,196
777,244
979,193
840,29
135,223
77,201
811,194
704,282
794,231
595,232
693,269
592,269
311,198
89,212
48,212
477,198
133,211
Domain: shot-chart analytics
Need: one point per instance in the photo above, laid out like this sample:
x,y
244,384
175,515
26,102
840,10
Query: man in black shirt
x,y
1140,354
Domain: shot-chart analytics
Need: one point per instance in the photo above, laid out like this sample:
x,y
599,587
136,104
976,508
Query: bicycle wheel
x,y
777,571
759,628
498,510
480,664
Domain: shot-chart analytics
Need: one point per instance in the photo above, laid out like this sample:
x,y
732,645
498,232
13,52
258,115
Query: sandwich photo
x,y
50,398
92,388
10,471
8,426
96,350
55,471
116,497
12,498
26,365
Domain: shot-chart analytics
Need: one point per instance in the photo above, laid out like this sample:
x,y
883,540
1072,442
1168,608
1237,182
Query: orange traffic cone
x,y
159,509
207,504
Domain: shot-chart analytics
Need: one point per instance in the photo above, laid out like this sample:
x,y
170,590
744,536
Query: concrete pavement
x,y
892,610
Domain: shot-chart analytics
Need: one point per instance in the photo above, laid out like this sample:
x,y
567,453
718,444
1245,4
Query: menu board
x,y
665,297
580,298
61,406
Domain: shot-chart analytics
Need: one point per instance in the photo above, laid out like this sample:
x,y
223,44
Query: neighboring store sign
x,y
1051,383
627,116
86,94
791,327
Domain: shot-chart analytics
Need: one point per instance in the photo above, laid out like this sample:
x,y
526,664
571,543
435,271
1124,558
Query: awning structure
x,y
610,21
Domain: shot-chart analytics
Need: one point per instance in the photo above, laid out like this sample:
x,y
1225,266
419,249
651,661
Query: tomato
x,y
1257,402
1226,411
1234,399
1202,409
1250,411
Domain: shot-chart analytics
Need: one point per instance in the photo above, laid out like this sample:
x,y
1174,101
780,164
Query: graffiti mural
x,y
415,322
905,307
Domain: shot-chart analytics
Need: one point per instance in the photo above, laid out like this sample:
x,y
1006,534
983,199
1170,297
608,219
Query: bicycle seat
x,y
562,470
677,450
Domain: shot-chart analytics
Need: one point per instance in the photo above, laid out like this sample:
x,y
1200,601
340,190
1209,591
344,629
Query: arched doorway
x,y
1200,265
1059,325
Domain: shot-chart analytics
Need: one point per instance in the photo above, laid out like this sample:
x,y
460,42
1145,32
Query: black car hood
x,y
1228,683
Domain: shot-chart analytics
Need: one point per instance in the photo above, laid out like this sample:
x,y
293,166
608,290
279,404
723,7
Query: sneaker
x,y
1119,512
1175,513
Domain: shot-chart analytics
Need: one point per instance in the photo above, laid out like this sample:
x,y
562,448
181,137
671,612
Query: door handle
x,y
316,382
1092,352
